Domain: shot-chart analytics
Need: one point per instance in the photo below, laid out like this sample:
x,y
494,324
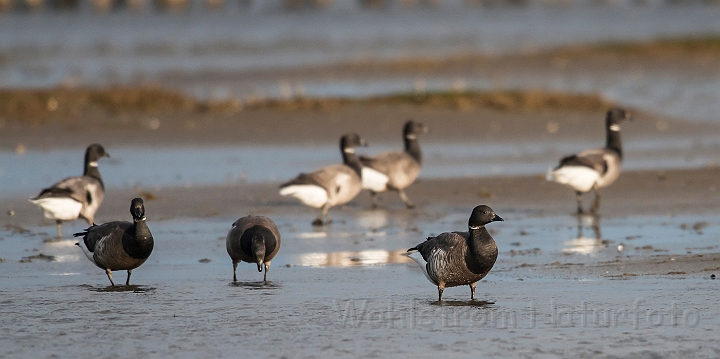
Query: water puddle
x,y
353,259
354,242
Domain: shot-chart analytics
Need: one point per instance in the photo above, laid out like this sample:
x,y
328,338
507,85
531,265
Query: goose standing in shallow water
x,y
119,245
395,170
596,168
253,239
459,258
330,185
75,197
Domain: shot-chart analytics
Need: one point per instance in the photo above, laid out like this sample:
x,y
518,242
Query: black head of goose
x,y
595,168
331,185
253,239
395,170
75,197
119,245
459,258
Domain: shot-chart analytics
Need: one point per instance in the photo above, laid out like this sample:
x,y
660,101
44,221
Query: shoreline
x,y
686,191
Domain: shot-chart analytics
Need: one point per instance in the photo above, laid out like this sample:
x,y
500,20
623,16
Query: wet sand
x,y
634,282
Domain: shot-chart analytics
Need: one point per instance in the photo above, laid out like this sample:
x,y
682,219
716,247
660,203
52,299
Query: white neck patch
x,y
474,227
410,136
93,164
349,150
614,127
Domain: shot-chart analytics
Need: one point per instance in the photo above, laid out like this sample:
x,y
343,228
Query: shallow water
x,y
33,170
346,291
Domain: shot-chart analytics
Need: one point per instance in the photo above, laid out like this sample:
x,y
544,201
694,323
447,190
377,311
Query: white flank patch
x,y
310,195
374,180
417,257
580,178
85,250
62,208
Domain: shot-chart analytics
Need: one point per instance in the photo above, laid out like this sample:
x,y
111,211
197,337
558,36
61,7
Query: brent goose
x,y
459,258
596,168
395,170
253,239
75,197
330,185
119,245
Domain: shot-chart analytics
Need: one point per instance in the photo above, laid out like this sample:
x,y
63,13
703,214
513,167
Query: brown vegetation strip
x,y
37,106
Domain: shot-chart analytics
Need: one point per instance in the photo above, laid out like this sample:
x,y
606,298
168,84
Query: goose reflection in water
x,y
353,259
582,244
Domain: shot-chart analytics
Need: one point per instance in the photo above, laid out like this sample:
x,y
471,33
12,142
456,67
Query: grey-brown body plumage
x,y
459,258
395,170
119,245
593,169
253,239
331,185
75,197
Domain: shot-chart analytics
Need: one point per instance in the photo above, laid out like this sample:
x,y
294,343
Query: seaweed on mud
x,y
66,104
41,256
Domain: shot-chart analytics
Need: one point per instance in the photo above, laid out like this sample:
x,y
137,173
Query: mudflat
x,y
639,274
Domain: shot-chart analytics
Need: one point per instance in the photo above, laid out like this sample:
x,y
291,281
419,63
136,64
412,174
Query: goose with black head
x,y
459,258
119,245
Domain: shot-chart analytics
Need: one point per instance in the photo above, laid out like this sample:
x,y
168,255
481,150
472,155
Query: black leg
x,y
235,271
127,282
109,275
579,202
323,215
596,203
373,199
404,197
59,228
472,290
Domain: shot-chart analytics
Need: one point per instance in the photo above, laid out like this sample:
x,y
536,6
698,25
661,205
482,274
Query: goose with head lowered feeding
x,y
253,239
331,185
75,197
595,168
459,258
119,245
395,170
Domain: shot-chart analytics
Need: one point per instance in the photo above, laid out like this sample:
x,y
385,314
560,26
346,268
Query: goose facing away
x,y
253,239
459,258
395,170
595,168
331,185
119,245
75,197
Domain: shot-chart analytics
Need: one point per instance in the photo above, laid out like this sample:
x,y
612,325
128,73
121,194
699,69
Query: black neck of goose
x,y
91,170
412,147
351,159
140,244
479,237
482,250
613,140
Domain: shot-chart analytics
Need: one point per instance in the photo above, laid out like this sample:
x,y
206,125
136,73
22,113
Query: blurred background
x,y
245,49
